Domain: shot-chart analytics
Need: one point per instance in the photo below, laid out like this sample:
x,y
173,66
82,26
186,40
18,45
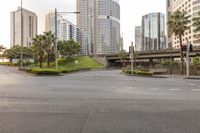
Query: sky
x,y
131,14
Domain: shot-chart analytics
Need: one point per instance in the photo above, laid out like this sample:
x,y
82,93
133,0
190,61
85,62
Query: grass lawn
x,y
83,62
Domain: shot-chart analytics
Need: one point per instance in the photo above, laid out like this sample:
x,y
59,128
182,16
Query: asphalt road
x,y
97,102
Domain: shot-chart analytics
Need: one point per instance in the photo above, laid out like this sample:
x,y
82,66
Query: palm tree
x,y
196,23
49,39
123,55
178,24
38,47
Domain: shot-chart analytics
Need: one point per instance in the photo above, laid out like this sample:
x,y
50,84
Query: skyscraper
x,y
107,26
153,32
85,21
28,27
138,38
65,29
99,21
192,7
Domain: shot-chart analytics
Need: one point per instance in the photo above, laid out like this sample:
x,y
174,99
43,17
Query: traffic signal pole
x,y
187,59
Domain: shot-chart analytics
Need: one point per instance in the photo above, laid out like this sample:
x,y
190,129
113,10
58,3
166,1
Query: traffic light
x,y
184,48
191,47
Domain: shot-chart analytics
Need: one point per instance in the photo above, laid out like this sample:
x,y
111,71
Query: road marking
x,y
192,84
175,89
196,90
130,87
154,89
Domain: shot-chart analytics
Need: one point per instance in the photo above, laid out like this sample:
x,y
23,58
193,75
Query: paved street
x,y
97,102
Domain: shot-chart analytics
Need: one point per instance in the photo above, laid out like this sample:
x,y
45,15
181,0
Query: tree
x,y
178,24
2,48
68,48
39,48
49,39
123,55
16,51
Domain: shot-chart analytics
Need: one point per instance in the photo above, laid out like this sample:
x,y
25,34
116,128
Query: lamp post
x,y
21,58
56,35
171,48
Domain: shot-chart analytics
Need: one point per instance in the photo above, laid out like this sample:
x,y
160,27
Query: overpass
x,y
164,54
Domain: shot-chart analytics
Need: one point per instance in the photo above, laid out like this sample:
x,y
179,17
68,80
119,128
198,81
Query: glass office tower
x,y
107,23
153,32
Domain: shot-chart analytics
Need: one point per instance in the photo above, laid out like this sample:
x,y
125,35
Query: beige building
x,y
29,28
192,7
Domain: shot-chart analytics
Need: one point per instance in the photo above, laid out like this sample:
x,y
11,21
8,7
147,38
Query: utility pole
x,y
187,59
132,57
171,48
56,45
21,58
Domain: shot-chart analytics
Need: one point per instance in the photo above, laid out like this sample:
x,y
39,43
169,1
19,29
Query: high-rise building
x,y
23,32
99,21
153,32
107,26
85,21
192,7
138,38
65,29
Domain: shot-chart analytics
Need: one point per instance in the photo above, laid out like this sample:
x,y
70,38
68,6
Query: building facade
x,y
65,29
107,29
138,38
192,7
153,32
23,32
85,21
99,21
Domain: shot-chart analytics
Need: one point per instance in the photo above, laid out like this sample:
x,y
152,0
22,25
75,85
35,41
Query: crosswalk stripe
x,y
175,89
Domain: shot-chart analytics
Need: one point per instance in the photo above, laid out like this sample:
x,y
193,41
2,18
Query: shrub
x,y
39,71
74,70
69,70
138,73
143,73
6,63
167,63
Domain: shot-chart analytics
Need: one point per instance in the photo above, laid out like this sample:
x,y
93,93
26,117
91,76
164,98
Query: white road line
x,y
175,89
130,87
196,90
154,89
192,84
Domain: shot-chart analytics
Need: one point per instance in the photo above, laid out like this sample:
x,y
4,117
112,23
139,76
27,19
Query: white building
x,y
66,30
29,28
192,7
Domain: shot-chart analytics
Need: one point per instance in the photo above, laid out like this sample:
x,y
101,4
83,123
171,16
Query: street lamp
x,y
56,28
21,58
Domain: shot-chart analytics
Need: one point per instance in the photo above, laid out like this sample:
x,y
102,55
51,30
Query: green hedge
x,y
138,73
39,71
73,70
6,63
